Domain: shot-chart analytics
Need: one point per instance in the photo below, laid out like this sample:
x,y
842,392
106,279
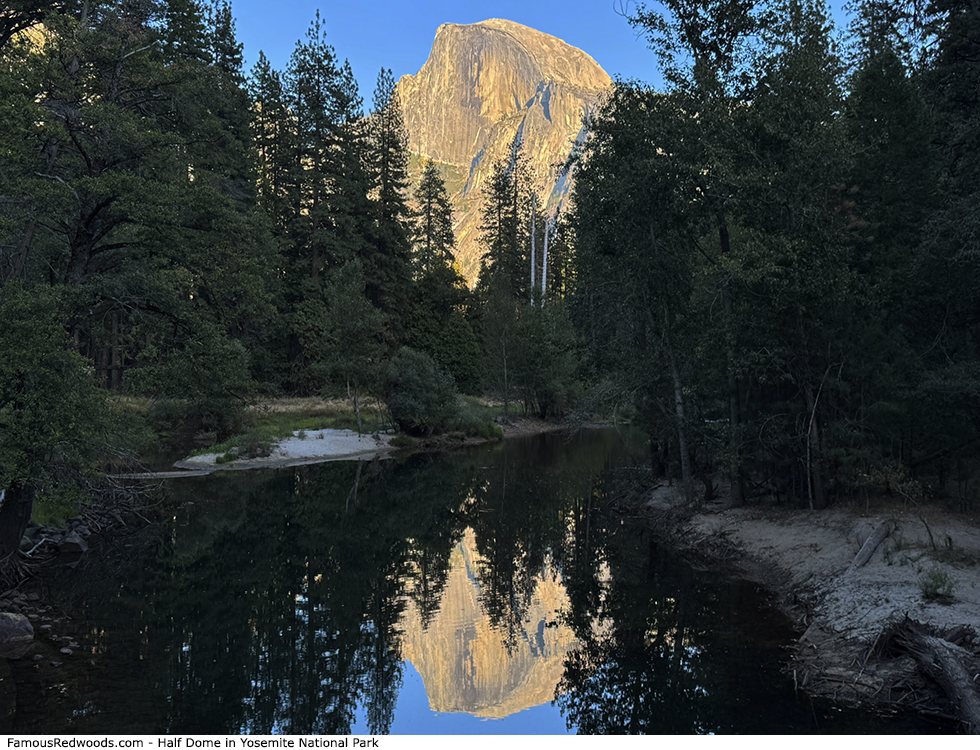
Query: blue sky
x,y
398,35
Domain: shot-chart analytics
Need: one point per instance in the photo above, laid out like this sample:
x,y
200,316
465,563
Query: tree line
x,y
769,263
777,255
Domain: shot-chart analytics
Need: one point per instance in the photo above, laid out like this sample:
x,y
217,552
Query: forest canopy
x,y
770,264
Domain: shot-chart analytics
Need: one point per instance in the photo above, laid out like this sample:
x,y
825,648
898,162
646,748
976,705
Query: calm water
x,y
482,591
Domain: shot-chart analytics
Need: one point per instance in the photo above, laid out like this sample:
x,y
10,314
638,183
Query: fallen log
x,y
942,661
871,544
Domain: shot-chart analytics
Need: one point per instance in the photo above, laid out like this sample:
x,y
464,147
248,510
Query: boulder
x,y
73,543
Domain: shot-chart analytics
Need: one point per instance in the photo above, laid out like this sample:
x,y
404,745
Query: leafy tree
x,y
136,192
799,264
51,412
422,398
501,344
546,366
635,249
704,52
944,321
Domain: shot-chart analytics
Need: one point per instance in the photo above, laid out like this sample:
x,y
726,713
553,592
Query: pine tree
x,y
312,80
273,135
505,225
432,233
224,49
388,268
142,186
440,309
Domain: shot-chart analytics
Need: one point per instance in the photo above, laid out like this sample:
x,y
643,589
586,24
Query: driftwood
x,y
943,662
871,544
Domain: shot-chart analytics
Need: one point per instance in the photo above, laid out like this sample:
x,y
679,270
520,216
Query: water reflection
x,y
468,664
303,601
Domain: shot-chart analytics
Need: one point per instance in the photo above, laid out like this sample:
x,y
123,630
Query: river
x,y
485,590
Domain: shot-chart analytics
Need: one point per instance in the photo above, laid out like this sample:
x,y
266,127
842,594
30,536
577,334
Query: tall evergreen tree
x,y
273,133
432,222
439,322
505,224
388,268
129,176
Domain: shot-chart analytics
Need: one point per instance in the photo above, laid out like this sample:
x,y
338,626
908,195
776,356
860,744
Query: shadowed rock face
x,y
482,84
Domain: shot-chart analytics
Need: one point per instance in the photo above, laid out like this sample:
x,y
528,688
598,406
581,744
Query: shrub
x,y
936,585
422,398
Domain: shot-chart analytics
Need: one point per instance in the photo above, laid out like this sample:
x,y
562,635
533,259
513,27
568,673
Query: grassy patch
x,y
289,415
476,418
401,440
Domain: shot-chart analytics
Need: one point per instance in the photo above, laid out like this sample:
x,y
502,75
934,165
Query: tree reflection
x,y
662,648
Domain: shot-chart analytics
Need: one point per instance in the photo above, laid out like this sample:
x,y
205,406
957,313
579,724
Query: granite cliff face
x,y
481,85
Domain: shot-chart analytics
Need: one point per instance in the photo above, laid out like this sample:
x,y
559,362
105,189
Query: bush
x,y
422,398
936,585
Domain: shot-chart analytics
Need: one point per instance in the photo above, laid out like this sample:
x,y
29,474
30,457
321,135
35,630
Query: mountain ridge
x,y
483,83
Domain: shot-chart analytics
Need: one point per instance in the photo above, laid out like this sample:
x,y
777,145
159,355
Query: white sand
x,y
314,446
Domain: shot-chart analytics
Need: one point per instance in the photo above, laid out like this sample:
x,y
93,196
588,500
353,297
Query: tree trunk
x,y
817,494
356,399
939,659
115,380
16,503
544,263
736,495
534,210
686,477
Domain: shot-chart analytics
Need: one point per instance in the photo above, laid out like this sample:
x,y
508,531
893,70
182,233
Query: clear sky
x,y
396,34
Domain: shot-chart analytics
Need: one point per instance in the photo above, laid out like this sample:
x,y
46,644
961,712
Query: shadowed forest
x,y
770,265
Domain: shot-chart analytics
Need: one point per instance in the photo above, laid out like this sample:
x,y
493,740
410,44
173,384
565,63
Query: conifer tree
x,y
388,268
273,134
432,233
440,310
505,224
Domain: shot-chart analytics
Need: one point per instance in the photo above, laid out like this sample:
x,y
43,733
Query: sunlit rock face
x,y
464,661
482,84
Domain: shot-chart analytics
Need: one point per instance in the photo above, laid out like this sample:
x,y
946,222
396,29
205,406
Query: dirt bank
x,y
926,569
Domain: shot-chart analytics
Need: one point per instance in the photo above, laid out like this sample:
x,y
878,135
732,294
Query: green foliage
x,y
505,225
438,324
936,585
422,398
201,383
547,361
54,504
51,411
342,332
432,222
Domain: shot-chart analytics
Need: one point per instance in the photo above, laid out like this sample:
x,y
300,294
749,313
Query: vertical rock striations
x,y
482,84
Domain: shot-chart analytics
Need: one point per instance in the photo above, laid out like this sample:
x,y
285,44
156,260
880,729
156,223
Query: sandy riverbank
x,y
844,613
311,446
